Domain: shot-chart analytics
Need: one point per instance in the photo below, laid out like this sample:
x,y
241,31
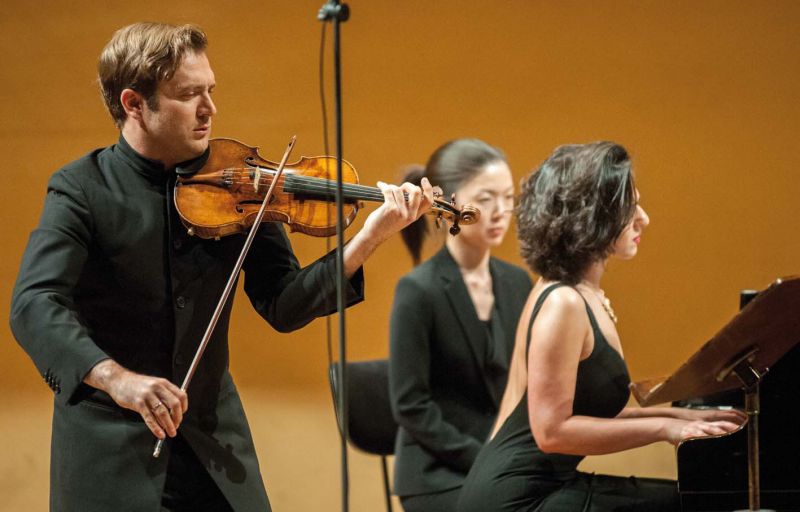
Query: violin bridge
x,y
256,179
227,178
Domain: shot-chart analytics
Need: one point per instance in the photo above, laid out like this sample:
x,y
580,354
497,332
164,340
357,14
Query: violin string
x,y
317,184
306,180
351,191
322,186
312,181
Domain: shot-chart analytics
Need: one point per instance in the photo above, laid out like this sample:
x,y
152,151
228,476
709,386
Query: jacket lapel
x,y
463,310
503,300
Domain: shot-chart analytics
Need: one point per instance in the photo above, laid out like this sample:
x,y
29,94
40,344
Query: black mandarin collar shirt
x,y
153,169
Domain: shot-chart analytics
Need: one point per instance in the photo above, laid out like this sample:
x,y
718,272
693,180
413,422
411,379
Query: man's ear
x,y
133,104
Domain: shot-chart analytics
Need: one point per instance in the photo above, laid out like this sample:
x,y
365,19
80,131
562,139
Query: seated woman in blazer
x,y
452,331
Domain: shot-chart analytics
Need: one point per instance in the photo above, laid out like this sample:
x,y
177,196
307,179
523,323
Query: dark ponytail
x,y
449,167
414,234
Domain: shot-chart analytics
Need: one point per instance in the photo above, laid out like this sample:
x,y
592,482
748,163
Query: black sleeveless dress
x,y
511,473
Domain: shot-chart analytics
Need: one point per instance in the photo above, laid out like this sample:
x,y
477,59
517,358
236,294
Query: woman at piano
x,y
568,383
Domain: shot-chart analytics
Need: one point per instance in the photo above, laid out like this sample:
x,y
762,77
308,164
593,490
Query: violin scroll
x,y
447,210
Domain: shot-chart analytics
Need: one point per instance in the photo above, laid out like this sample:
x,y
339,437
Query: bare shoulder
x,y
562,316
563,301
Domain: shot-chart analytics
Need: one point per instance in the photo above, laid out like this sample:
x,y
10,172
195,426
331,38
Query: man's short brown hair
x,y
140,56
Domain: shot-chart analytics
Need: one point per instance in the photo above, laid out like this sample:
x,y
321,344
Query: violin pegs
x,y
455,229
453,199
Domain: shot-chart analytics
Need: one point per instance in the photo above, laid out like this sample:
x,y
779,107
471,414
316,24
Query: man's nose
x,y
207,107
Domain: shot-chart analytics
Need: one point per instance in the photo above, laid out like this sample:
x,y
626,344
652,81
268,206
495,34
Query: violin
x,y
223,197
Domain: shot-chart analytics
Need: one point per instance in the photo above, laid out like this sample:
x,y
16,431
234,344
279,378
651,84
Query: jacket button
x,y
181,301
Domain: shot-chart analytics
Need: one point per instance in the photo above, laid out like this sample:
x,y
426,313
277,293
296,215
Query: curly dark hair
x,y
573,208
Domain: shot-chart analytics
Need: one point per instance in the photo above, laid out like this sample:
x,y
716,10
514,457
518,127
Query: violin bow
x,y
231,281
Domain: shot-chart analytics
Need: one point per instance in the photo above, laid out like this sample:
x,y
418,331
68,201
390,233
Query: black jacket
x,y
111,272
442,395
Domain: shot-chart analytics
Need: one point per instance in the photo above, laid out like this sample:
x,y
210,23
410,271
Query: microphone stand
x,y
335,12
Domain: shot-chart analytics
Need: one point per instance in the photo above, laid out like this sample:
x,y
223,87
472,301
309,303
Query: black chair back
x,y
371,426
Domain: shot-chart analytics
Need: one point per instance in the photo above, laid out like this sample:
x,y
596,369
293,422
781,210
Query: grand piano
x,y
713,472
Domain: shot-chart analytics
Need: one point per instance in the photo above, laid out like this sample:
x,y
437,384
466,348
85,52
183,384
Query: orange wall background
x,y
703,94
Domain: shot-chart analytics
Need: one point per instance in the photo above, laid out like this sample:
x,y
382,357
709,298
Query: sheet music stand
x,y
738,356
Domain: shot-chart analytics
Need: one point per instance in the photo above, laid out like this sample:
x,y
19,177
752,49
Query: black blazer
x,y
441,395
111,272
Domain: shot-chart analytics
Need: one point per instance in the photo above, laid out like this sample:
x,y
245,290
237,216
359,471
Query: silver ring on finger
x,y
156,407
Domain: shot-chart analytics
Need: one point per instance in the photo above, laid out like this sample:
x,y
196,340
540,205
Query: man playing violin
x,y
113,296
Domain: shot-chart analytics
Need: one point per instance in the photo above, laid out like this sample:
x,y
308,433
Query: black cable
x,y
326,151
340,300
335,12
322,90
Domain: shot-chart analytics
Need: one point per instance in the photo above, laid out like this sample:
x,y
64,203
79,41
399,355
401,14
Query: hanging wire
x,y
339,415
323,104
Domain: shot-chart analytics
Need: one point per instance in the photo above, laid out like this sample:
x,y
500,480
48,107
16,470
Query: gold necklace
x,y
605,302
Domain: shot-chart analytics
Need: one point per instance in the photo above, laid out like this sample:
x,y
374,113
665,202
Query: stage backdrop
x,y
703,94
